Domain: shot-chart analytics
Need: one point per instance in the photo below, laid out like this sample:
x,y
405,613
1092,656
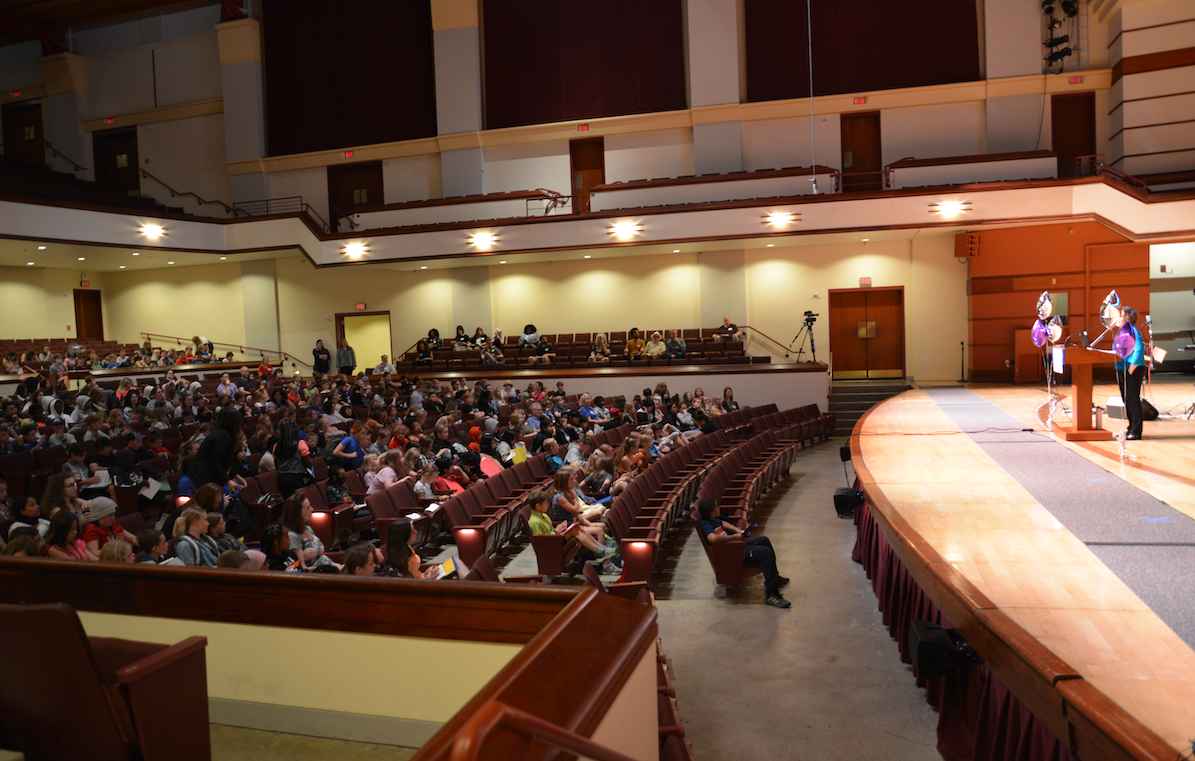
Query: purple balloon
x,y
1039,334
1123,344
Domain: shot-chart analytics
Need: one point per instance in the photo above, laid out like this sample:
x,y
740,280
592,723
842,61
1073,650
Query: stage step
x,y
850,399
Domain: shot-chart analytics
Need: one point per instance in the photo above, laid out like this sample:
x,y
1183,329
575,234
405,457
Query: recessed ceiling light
x,y
676,250
866,239
136,253
587,256
423,267
122,266
780,218
153,231
170,262
222,258
82,258
502,262
483,240
625,229
355,250
41,248
30,264
771,245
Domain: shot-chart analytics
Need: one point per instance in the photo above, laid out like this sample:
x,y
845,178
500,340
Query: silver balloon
x,y
1055,329
1110,309
1045,307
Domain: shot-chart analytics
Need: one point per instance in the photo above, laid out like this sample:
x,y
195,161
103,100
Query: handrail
x,y
885,177
471,741
338,215
174,193
59,154
282,355
285,205
786,348
554,199
1094,165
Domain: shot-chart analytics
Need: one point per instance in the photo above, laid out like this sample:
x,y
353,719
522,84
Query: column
x,y
713,73
456,38
244,104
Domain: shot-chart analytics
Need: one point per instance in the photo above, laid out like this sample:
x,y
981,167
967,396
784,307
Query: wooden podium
x,y
1081,361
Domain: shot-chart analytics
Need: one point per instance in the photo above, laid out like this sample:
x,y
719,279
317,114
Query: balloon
x,y
1055,329
1039,334
1045,307
1124,343
1110,309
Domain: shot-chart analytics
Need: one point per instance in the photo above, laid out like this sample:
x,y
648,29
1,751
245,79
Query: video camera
x,y
810,317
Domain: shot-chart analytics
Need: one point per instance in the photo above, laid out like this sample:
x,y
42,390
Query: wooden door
x,y
847,310
861,157
589,169
89,315
1072,129
352,187
23,138
115,156
867,333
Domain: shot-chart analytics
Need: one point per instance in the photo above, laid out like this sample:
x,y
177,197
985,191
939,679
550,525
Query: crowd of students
x,y
444,436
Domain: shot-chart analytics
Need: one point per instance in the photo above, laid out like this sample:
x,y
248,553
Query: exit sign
x,y
1076,80
361,307
864,281
859,101
582,127
84,284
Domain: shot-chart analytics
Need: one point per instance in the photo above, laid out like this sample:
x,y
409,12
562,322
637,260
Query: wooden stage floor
x,y
983,522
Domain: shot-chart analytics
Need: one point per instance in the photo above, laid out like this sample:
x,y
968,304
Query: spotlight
x,y
625,229
1058,55
950,208
1070,8
780,219
152,231
355,250
1047,7
483,240
1054,42
1054,23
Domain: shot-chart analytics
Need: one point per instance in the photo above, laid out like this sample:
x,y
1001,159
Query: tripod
x,y
806,331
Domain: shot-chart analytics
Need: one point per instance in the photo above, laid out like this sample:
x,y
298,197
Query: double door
x,y
867,333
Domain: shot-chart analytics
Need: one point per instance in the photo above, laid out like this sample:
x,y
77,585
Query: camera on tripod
x,y
810,317
806,331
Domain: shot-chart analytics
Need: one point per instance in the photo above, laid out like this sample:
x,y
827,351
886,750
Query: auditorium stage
x,y
1093,556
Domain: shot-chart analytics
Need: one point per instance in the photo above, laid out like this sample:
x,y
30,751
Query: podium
x,y
1081,361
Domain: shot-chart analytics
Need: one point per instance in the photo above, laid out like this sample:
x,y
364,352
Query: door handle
x,y
871,329
861,330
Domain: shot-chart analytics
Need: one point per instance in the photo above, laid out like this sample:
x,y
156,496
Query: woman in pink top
x,y
63,542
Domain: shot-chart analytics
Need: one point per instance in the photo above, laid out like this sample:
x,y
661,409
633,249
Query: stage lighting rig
x,y
1058,55
1070,8
1061,39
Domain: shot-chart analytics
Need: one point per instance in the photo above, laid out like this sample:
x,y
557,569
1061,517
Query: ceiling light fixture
x,y
866,239
82,258
483,240
950,208
676,250
587,256
222,258
771,245
502,262
780,218
122,266
170,262
625,229
41,248
423,267
136,253
153,231
356,249
30,264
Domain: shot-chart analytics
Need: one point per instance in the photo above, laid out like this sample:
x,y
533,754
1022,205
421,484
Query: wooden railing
x,y
286,205
473,741
181,341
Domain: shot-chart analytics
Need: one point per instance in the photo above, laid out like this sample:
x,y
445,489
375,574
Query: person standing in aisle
x,y
346,358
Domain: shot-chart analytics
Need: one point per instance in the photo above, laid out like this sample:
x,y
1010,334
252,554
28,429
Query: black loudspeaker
x,y
936,651
844,453
846,500
1148,411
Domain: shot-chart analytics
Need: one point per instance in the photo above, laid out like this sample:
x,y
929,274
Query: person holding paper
x,y
542,525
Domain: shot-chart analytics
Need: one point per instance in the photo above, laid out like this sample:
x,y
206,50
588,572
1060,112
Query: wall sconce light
x,y
355,250
625,229
153,231
780,218
483,240
950,209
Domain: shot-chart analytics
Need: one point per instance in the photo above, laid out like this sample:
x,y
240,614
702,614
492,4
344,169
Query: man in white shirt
x,y
385,367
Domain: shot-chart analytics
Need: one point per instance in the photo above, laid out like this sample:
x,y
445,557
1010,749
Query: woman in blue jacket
x,y
1131,373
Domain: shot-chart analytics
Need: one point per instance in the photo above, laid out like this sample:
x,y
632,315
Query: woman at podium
x,y
1130,372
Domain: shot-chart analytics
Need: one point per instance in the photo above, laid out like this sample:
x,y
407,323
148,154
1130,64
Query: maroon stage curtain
x,y
978,718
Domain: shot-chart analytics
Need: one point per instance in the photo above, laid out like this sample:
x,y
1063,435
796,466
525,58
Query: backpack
x,y
331,447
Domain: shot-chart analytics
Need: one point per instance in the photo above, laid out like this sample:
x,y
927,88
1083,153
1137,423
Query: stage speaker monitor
x,y
936,651
1115,407
844,453
846,501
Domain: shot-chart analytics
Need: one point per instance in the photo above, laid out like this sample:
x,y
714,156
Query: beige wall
x,y
198,169
176,301
263,664
39,302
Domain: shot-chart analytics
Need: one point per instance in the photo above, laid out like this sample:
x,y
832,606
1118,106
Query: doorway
x,y
589,169
23,137
867,332
369,335
116,166
1072,129
352,187
861,156
89,315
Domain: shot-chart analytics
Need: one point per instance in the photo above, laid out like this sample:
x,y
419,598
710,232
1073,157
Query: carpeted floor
x,y
1145,542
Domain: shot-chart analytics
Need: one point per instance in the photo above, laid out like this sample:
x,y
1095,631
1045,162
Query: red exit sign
x,y
361,307
864,281
1076,80
582,127
84,283
859,101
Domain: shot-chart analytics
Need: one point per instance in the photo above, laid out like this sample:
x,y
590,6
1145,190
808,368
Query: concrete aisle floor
x,y
822,680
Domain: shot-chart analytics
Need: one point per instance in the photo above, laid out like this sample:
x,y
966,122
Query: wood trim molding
x,y
1141,64
407,608
154,115
1147,126
975,159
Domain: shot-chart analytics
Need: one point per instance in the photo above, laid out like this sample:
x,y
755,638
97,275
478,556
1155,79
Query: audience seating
x,y
122,699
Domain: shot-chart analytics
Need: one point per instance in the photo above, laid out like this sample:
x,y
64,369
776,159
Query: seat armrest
x,y
536,579
164,658
628,590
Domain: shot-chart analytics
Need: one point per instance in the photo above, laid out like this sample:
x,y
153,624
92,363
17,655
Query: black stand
x,y
806,331
962,362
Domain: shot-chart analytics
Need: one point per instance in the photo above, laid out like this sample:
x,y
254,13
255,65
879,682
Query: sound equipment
x,y
936,651
846,500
